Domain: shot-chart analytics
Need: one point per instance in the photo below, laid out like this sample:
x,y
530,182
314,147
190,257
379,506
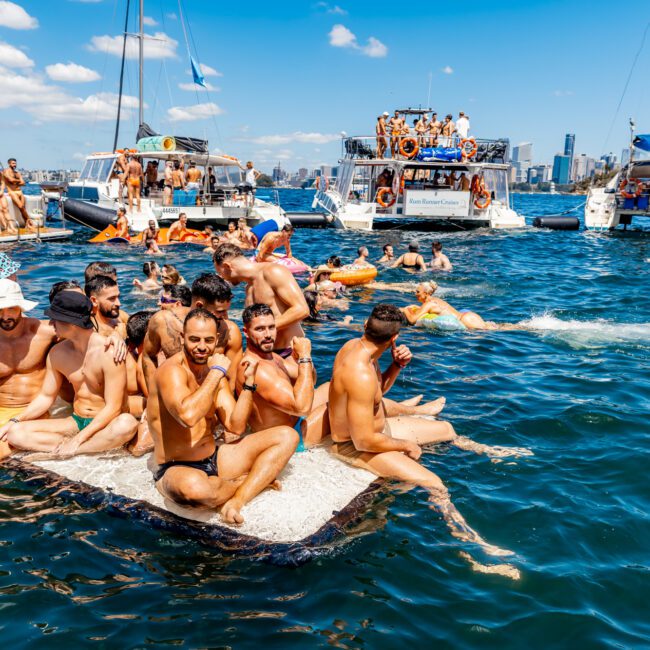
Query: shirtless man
x,y
178,229
247,237
188,400
151,232
389,255
440,261
122,224
193,177
152,176
274,240
232,235
164,334
434,128
363,254
134,182
362,434
270,284
121,165
432,305
178,177
395,127
284,393
14,182
104,295
99,421
420,127
448,129
7,224
168,184
380,130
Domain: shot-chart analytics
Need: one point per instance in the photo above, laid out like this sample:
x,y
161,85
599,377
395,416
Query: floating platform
x,y
320,496
49,234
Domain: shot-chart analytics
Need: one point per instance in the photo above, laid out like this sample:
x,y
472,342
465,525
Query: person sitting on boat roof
x,y
274,240
122,224
250,182
411,260
447,130
380,130
134,182
462,125
363,255
440,261
178,229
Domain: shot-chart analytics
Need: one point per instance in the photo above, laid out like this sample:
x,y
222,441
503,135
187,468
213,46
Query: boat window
x,y
344,178
228,175
496,181
104,171
85,172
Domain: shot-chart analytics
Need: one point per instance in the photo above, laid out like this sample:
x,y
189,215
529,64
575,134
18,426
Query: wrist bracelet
x,y
251,388
223,370
399,365
305,360
14,420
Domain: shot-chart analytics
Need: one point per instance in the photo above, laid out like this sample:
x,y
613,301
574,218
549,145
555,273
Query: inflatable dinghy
x,y
320,495
191,236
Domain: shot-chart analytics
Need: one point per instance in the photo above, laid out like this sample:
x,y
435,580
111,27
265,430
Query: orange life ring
x,y
353,276
413,152
475,185
381,193
481,205
636,184
471,152
193,234
321,184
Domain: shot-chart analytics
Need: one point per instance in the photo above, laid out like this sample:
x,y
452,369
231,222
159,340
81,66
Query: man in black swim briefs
x,y
189,400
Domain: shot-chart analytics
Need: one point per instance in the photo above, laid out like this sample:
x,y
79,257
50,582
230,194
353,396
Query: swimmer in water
x,y
362,259
412,260
429,304
151,271
389,255
274,240
440,261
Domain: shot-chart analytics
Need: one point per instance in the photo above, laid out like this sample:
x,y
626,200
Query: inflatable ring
x,y
292,264
471,152
381,193
352,275
441,322
321,185
487,199
168,143
412,152
630,182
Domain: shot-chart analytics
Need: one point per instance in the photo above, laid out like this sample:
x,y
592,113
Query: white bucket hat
x,y
12,296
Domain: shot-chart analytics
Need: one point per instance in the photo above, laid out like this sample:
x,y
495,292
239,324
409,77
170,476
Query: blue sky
x,y
287,77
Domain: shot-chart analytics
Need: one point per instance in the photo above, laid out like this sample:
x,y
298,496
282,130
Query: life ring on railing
x,y
381,193
630,182
471,152
487,199
321,185
412,151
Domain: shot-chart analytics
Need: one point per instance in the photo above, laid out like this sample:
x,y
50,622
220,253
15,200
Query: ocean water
x,y
574,389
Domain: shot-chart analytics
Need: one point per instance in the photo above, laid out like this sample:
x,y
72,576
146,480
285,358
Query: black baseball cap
x,y
71,307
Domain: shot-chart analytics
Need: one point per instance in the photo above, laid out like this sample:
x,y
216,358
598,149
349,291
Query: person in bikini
x,y
270,284
412,260
121,165
274,240
13,183
134,182
189,401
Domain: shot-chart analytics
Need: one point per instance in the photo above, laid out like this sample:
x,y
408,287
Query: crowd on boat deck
x,y
222,418
428,131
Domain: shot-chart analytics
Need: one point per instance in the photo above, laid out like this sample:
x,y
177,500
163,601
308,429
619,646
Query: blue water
x,y
575,390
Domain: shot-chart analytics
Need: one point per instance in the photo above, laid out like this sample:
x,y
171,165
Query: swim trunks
x,y
134,182
207,465
285,353
193,186
298,427
82,423
8,412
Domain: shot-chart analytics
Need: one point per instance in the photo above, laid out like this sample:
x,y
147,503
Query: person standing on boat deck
x,y
122,224
7,224
189,400
267,283
433,129
134,182
121,164
178,229
164,334
389,254
420,128
464,183
100,420
212,181
152,176
462,125
395,127
168,184
274,240
104,295
380,130
411,260
363,255
285,393
250,182
178,178
448,129
440,261
193,178
14,182
361,434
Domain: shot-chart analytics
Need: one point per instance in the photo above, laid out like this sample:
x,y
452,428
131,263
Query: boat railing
x,y
418,147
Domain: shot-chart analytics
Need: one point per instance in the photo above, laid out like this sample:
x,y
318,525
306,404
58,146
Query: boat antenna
x,y
629,166
119,97
141,61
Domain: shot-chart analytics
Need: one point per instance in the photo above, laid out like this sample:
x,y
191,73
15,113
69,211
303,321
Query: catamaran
x,y
462,184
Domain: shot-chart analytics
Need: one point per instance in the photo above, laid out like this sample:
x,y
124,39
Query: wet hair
x,y
384,322
148,268
200,314
121,210
414,247
226,252
253,311
288,228
335,261
64,285
136,327
98,284
172,272
429,287
361,249
99,268
211,288
179,292
436,246
386,246
311,298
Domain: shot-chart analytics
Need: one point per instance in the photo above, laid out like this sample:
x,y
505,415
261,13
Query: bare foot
x,y
432,408
275,485
467,444
230,512
506,570
413,401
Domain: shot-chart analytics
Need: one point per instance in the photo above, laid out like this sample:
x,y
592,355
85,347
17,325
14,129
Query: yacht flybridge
x,y
447,182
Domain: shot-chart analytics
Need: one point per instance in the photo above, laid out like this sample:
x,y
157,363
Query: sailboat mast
x,y
141,58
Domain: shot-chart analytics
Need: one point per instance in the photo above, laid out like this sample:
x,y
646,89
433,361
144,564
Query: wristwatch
x,y
252,388
305,360
14,420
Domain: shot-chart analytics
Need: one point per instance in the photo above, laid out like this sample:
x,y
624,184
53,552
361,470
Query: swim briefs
x,y
207,465
298,427
82,423
285,353
8,412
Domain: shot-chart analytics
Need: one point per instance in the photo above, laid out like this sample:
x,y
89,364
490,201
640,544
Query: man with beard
x,y
104,295
269,284
14,182
188,399
100,420
165,331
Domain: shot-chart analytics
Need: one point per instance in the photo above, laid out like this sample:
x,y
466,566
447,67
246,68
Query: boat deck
x,y
42,234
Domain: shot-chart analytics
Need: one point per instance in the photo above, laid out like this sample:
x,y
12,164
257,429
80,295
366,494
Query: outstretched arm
x,y
397,262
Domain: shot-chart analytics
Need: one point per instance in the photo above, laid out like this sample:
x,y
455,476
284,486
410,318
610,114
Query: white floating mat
x,y
319,493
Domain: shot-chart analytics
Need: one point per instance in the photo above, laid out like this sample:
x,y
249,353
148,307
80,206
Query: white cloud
x,y
71,72
191,86
209,72
171,15
341,36
156,46
296,136
149,21
331,9
447,70
15,17
12,57
192,113
79,156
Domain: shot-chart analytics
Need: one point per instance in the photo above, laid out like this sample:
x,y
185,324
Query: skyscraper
x,y
561,169
522,159
569,148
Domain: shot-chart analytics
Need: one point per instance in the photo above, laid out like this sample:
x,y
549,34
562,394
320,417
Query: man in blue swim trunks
x,y
285,392
190,404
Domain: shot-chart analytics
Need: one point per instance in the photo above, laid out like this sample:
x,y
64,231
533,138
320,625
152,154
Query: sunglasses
x,y
165,300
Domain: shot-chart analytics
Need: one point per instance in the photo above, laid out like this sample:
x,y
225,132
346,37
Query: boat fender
x,y
557,223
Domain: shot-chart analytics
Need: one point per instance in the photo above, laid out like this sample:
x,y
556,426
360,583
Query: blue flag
x,y
642,142
199,79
